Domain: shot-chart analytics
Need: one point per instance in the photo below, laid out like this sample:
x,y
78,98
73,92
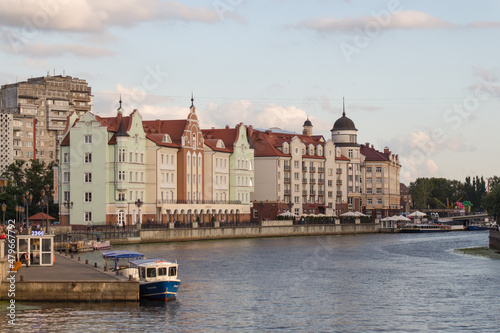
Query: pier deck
x,y
68,280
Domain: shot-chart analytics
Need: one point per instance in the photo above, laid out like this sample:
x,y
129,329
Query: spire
x,y
120,109
192,99
121,129
343,107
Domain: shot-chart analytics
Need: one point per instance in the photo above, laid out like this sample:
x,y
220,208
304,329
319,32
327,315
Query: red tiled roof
x,y
267,143
372,154
342,158
227,135
212,143
174,128
40,216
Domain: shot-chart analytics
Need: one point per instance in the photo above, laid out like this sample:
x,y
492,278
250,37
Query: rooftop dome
x,y
344,123
307,123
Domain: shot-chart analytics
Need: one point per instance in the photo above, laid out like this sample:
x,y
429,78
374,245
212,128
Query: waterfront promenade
x,y
70,280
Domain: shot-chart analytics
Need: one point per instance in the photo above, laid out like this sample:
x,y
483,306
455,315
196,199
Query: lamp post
x,y
3,184
68,206
4,208
44,201
139,203
27,198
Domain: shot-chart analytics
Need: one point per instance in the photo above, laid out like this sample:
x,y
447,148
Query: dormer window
x,y
166,139
220,144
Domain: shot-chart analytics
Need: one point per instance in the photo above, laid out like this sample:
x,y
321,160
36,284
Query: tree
x,y
31,178
491,202
421,192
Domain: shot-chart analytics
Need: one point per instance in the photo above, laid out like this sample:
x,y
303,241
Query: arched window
x,y
121,217
166,138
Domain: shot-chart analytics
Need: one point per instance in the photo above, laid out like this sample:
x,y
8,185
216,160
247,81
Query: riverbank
x,y
192,234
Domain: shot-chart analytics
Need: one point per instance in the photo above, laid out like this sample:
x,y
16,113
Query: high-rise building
x,y
39,108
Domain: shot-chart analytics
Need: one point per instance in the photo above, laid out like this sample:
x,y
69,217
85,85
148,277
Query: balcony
x,y
312,169
304,180
339,193
313,192
287,179
321,170
286,167
339,181
312,181
304,169
339,171
321,181
304,192
321,193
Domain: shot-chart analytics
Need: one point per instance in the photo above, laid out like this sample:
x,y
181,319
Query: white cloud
x,y
409,19
57,50
96,15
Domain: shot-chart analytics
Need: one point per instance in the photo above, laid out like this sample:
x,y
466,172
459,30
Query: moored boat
x,y
417,227
157,279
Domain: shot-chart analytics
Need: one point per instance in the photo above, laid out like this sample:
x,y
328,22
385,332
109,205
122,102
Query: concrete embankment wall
x,y
72,291
173,235
494,239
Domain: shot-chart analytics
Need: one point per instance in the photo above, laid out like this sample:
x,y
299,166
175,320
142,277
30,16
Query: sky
x,y
421,77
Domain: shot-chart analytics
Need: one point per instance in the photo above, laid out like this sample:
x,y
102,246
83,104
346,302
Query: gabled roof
x,y
267,143
342,158
212,143
227,135
174,128
373,155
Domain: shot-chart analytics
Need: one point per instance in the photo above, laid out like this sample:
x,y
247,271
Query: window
x,y
369,201
88,177
88,196
88,138
379,201
66,177
66,158
379,180
296,175
379,191
350,153
88,157
379,169
66,196
121,196
172,271
368,169
368,191
151,272
121,175
87,216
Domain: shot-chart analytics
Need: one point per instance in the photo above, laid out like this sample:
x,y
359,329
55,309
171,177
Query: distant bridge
x,y
466,218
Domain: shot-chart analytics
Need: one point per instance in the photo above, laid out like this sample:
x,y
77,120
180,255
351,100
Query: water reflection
x,y
358,283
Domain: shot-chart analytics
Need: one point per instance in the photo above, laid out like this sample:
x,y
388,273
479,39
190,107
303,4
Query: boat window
x,y
142,272
172,271
151,272
162,271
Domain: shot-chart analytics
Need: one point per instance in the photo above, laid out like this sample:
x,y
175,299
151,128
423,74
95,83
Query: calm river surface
x,y
353,283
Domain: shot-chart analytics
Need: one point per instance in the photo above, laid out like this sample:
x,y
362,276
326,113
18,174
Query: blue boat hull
x,y
475,227
159,290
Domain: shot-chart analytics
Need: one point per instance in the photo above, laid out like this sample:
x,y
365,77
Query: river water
x,y
350,283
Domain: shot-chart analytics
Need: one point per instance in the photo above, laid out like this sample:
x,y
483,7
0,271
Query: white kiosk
x,y
39,249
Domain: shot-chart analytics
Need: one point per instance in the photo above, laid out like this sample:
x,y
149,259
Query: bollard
x,y
71,256
78,258
105,267
95,265
86,261
21,278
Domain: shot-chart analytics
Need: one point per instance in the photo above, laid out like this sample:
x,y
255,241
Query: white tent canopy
x,y
348,214
287,214
417,214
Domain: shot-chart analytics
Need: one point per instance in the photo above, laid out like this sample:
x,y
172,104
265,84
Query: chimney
x,y
250,131
227,126
386,150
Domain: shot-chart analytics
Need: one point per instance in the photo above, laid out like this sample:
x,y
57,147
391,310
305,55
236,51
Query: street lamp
x,y
44,201
3,184
4,208
27,198
139,203
68,206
